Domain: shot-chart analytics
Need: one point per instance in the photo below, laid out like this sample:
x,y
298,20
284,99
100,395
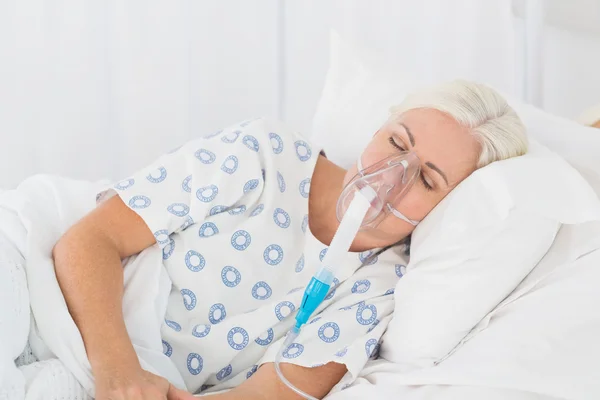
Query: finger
x,y
178,394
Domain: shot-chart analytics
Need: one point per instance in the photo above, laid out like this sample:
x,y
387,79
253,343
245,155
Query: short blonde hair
x,y
479,108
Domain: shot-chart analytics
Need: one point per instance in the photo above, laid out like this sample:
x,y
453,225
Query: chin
x,y
370,238
350,173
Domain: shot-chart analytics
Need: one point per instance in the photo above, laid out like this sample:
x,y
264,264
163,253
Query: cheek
x,y
417,203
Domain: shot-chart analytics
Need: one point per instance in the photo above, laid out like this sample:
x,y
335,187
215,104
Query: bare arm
x,y
88,268
265,384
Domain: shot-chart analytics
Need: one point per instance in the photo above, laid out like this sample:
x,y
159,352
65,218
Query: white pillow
x,y
476,246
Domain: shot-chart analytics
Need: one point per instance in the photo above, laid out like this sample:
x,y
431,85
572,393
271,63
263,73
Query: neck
x,y
325,188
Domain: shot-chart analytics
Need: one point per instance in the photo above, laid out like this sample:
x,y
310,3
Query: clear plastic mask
x,y
389,179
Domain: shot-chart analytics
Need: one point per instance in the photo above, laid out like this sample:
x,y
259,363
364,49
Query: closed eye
x,y
421,175
396,145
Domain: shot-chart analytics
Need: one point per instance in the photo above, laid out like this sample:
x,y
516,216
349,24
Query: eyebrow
x,y
410,135
439,171
429,164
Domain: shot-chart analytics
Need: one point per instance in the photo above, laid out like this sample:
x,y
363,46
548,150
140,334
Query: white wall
x,y
94,89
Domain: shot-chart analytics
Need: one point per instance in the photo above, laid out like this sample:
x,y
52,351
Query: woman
x,y
241,234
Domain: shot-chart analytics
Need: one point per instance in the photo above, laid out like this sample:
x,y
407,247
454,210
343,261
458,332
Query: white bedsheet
x,y
32,218
540,343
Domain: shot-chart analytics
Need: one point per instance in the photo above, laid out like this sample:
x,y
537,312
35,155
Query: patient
x,y
243,219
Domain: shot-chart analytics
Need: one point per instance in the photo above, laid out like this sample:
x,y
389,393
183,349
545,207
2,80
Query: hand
x,y
138,385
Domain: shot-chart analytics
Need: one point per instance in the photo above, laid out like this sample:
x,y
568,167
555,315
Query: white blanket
x,y
32,218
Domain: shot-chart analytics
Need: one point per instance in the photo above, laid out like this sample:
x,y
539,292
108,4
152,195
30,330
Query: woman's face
x,y
448,154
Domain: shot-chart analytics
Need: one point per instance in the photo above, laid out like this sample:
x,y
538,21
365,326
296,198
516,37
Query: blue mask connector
x,y
314,294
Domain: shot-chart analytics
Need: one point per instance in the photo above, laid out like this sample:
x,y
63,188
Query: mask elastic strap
x,y
398,214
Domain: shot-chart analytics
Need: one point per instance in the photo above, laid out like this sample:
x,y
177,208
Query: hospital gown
x,y
230,212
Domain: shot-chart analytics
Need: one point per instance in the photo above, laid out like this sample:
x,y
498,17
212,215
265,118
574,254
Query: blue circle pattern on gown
x,y
226,168
281,182
359,314
342,352
304,188
201,333
179,209
224,373
296,289
168,250
268,340
191,266
267,254
162,236
125,184
213,309
282,304
134,202
322,254
217,210
208,229
231,137
251,142
167,348
371,347
389,291
375,323
361,286
286,218
187,223
290,353
312,321
332,338
226,281
241,234
278,144
400,269
250,185
191,302
259,208
252,371
205,156
203,196
162,175
190,359
173,325
265,286
204,387
303,155
365,257
231,338
237,210
332,293
212,135
185,184
300,264
304,223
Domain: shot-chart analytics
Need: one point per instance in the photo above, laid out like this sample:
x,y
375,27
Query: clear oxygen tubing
x,y
320,284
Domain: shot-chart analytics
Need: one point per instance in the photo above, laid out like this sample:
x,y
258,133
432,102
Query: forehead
x,y
440,140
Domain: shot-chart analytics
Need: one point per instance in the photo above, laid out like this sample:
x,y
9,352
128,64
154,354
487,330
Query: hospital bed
x,y
504,359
